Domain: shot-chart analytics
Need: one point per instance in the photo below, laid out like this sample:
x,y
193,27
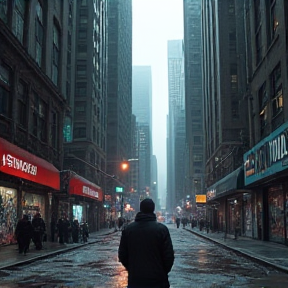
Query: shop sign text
x,y
90,192
267,158
18,164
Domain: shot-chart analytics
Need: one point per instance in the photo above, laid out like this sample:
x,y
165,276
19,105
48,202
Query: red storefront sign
x,y
20,163
82,187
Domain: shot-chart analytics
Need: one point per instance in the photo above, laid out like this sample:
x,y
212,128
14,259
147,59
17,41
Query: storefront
x,y
225,201
83,199
266,174
25,184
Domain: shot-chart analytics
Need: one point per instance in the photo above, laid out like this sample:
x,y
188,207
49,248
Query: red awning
x,y
82,187
20,163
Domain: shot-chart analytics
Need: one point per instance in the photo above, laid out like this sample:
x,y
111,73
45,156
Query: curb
x,y
52,253
242,253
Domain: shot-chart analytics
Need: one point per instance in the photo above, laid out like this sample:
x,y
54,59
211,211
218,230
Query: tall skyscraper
x,y
224,111
88,102
176,126
119,91
142,94
85,121
194,176
142,109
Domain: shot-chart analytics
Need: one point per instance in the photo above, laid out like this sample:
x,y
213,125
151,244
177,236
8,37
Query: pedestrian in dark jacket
x,y
53,226
23,234
60,230
66,229
178,222
75,231
146,250
39,228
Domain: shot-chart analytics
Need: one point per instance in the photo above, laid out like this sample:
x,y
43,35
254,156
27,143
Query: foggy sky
x,y
154,23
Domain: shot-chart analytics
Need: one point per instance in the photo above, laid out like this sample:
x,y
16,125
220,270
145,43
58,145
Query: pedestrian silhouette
x,y
60,230
178,222
53,226
23,234
146,250
39,228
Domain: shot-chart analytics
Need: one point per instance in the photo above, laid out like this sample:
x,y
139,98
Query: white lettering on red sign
x,y
17,164
90,192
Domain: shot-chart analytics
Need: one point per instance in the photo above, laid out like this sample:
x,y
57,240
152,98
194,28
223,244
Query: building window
x,y
235,110
3,10
94,134
39,118
82,48
82,34
18,19
42,121
263,100
67,130
81,89
79,131
258,47
56,54
5,95
198,158
273,19
80,108
22,104
197,140
83,11
258,30
257,11
276,91
54,138
39,33
81,70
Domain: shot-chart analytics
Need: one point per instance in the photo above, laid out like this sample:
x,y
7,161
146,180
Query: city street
x,y
198,263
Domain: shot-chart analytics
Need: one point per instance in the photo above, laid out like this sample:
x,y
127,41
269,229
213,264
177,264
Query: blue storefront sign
x,y
268,157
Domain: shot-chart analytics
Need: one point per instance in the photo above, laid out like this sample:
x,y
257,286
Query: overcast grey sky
x,y
154,23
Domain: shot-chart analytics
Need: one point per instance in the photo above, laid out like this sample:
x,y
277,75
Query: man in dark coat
x,y
146,250
39,230
23,233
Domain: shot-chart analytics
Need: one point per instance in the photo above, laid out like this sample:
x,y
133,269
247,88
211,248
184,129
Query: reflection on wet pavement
x,y
198,263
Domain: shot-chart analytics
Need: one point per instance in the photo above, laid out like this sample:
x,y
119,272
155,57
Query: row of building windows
x,y
19,21
272,25
28,104
274,102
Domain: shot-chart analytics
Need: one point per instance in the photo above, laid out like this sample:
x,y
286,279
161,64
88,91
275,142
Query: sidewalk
x,y
268,253
10,257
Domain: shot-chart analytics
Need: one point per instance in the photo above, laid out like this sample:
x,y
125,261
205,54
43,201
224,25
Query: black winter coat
x,y
146,251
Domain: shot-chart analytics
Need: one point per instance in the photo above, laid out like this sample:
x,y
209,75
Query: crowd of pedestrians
x,y
61,230
26,231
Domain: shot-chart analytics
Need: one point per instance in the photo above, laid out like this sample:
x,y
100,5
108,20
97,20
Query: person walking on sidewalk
x,y
237,228
39,228
23,234
53,226
60,230
146,250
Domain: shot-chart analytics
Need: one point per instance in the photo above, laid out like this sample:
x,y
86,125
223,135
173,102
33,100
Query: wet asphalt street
x,y
198,263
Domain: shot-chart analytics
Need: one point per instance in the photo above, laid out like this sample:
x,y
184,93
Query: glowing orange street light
x,y
124,166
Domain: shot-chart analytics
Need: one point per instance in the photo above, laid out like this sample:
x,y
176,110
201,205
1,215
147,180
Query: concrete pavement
x,y
10,257
264,252
268,253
